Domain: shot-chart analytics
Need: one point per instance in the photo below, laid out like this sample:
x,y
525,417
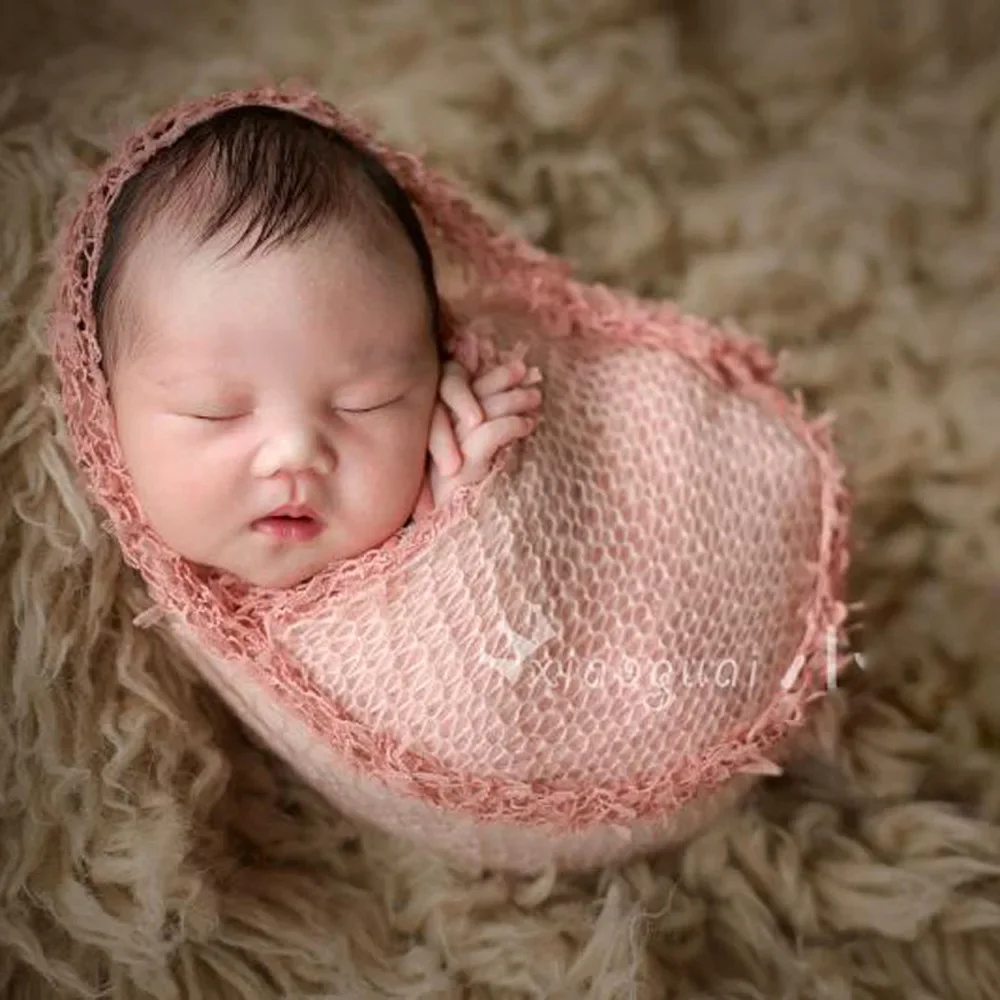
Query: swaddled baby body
x,y
272,338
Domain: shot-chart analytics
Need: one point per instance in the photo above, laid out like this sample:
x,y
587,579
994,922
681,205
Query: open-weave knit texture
x,y
567,662
825,173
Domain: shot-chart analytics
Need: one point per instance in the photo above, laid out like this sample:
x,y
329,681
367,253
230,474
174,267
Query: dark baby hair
x,y
282,173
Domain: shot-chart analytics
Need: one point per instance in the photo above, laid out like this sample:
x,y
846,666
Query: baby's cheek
x,y
401,463
178,477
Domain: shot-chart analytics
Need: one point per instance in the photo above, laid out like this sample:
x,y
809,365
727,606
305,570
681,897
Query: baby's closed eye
x,y
215,408
361,406
216,416
211,404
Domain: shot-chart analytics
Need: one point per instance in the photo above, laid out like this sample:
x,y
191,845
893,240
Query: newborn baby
x,y
272,337
580,656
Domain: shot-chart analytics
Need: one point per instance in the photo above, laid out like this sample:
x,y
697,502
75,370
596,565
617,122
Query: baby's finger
x,y
458,395
486,440
443,444
499,378
513,402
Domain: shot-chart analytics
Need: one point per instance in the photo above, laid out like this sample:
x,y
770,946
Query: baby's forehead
x,y
319,292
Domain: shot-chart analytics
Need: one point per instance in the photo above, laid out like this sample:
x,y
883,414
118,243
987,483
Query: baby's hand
x,y
475,418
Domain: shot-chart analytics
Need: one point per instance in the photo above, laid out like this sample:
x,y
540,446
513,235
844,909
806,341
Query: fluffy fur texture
x,y
827,173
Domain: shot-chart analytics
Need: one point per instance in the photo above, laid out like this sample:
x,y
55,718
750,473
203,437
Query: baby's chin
x,y
284,566
280,577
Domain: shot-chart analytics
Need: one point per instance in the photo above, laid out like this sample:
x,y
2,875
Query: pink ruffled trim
x,y
228,620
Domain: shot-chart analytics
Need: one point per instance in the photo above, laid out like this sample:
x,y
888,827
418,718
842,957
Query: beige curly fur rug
x,y
826,172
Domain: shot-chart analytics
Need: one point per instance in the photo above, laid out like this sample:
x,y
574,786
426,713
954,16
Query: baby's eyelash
x,y
369,409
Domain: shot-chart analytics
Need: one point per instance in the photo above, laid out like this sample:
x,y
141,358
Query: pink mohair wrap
x,y
583,657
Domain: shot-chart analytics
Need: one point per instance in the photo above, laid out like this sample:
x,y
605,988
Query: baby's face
x,y
303,378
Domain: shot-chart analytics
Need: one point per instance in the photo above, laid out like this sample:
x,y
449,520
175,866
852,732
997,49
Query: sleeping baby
x,y
272,338
569,657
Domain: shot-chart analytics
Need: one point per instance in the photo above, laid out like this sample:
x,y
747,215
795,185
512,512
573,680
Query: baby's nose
x,y
294,449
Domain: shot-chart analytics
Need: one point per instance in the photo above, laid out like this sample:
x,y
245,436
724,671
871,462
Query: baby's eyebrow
x,y
414,359
171,379
197,381
406,360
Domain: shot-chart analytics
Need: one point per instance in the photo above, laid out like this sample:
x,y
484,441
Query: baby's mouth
x,y
290,524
